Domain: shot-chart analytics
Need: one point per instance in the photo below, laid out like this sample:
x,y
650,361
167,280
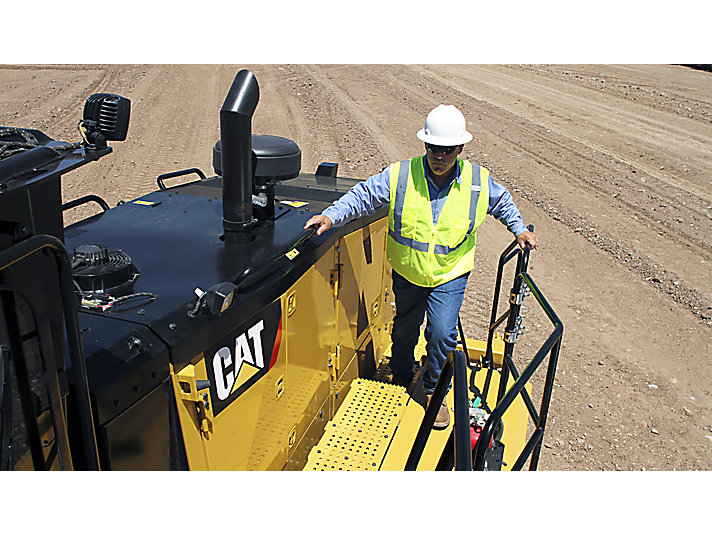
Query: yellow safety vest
x,y
428,255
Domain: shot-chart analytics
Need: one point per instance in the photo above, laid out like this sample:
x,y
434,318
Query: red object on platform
x,y
474,435
475,432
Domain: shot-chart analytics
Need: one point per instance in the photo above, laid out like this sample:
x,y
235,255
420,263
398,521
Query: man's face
x,y
440,162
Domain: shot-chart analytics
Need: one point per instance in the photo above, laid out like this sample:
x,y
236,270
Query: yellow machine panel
x,y
315,408
332,329
361,310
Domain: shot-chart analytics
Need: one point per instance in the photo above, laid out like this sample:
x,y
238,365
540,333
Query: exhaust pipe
x,y
236,154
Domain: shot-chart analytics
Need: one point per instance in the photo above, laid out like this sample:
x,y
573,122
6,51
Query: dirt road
x,y
611,164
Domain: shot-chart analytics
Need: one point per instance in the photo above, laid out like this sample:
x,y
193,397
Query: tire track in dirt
x,y
638,84
659,127
543,133
194,117
639,208
332,131
358,113
644,127
316,140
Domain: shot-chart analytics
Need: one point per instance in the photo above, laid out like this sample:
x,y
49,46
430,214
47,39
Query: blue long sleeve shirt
x,y
367,197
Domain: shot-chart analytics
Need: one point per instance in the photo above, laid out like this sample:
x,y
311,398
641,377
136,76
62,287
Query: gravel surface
x,y
611,164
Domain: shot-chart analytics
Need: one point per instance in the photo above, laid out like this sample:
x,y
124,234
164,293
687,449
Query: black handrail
x,y
83,200
504,258
462,441
25,392
267,266
505,398
5,409
18,253
176,174
462,337
522,264
23,383
455,368
551,348
511,331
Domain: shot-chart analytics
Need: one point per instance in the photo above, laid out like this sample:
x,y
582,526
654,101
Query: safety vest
x,y
428,255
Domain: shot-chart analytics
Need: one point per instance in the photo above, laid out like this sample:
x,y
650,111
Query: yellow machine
x,y
179,339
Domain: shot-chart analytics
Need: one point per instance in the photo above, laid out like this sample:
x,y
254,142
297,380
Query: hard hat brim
x,y
466,137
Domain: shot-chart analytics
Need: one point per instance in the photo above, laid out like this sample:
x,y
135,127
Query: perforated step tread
x,y
359,435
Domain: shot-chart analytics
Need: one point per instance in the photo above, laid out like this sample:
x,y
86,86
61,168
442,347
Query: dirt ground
x,y
611,164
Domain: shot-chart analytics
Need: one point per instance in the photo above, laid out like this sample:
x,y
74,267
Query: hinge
x,y
334,361
510,336
279,387
375,308
518,298
196,392
291,303
335,279
202,408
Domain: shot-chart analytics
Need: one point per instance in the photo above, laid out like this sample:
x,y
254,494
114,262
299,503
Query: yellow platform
x,y
376,426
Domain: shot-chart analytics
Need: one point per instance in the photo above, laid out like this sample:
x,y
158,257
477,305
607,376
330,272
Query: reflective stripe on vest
x,y
456,210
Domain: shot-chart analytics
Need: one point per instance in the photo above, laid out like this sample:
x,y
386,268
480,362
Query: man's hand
x,y
321,222
528,237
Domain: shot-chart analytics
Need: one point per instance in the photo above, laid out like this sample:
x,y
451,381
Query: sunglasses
x,y
437,149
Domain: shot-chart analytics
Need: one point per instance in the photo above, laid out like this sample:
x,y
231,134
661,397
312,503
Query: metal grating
x,y
277,416
358,436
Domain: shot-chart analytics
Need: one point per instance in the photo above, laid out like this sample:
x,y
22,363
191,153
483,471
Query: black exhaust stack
x,y
236,155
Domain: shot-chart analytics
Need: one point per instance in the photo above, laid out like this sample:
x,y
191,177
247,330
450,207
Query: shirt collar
x,y
457,178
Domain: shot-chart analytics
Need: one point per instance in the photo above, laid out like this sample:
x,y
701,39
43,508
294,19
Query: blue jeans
x,y
442,305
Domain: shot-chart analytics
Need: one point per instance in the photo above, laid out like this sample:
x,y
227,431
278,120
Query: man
x,y
435,204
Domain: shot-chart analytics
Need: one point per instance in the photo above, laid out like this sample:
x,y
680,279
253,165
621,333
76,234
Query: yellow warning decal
x,y
146,203
292,254
294,203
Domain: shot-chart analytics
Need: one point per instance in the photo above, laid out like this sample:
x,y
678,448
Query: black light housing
x,y
219,297
106,118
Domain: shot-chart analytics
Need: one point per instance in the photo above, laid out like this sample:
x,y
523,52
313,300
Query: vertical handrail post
x,y
462,442
18,253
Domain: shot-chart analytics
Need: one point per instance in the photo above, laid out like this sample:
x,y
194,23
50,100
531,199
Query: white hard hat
x,y
445,126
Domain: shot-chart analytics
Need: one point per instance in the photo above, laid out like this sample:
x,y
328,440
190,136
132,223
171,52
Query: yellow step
x,y
375,428
360,433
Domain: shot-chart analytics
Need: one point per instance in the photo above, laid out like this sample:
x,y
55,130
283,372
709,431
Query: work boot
x,y
404,382
442,419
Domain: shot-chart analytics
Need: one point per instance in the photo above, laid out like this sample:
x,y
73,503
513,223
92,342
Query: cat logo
x,y
244,356
223,359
